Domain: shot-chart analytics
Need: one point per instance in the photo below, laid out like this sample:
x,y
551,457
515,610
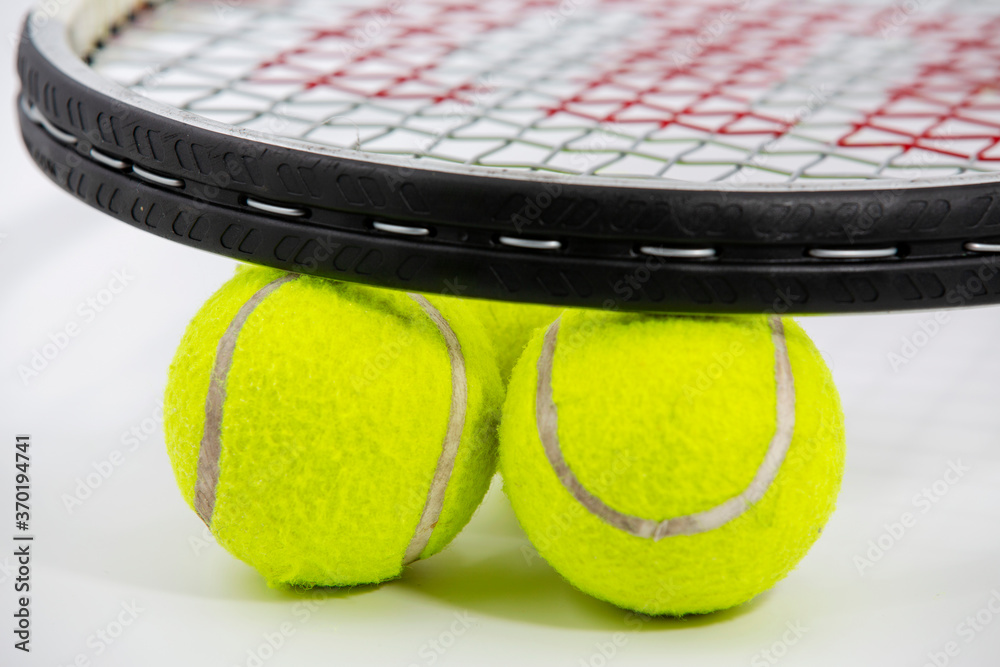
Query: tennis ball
x,y
672,465
330,433
510,326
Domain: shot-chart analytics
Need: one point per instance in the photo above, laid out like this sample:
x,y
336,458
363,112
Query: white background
x,y
133,543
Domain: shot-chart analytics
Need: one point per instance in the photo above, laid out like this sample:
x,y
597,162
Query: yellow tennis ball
x,y
330,433
672,465
510,327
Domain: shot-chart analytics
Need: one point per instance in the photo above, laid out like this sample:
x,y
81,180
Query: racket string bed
x,y
788,92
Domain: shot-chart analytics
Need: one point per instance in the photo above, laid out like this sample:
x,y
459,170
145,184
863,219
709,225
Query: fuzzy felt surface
x,y
511,326
337,403
664,416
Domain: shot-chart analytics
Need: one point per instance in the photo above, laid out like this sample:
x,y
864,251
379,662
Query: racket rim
x,y
812,286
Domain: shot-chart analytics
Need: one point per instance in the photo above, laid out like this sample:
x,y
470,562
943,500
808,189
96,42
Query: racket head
x,y
897,232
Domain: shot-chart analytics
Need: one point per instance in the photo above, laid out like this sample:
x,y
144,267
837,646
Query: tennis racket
x,y
725,156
